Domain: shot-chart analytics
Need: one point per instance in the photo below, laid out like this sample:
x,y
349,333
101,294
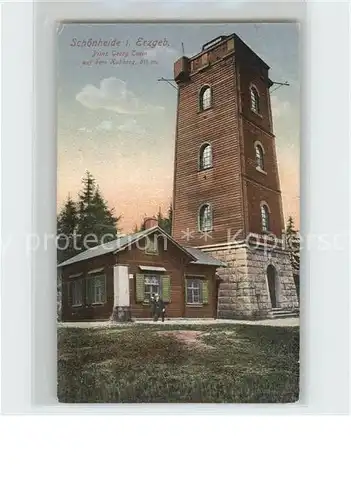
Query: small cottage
x,y
115,280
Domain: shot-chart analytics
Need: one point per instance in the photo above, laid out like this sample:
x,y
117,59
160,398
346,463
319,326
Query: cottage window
x,y
205,98
205,156
196,291
205,218
264,217
77,292
147,284
259,157
255,100
193,291
152,285
96,289
151,245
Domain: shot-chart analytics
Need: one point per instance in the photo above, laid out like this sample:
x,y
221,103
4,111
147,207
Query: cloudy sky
x,y
118,121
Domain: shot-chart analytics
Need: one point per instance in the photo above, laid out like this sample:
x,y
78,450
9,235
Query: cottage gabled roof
x,y
204,258
123,242
105,248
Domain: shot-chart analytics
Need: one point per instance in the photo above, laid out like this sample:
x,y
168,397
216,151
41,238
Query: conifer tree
x,y
293,244
87,222
67,222
68,217
170,216
105,221
96,220
165,223
85,207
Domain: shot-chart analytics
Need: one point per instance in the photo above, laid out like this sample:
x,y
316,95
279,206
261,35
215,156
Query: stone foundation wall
x,y
244,292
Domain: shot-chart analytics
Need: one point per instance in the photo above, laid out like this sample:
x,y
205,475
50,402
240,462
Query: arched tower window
x,y
205,218
205,98
255,99
259,155
264,217
205,156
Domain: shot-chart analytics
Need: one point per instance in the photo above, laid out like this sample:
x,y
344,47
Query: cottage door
x,y
272,278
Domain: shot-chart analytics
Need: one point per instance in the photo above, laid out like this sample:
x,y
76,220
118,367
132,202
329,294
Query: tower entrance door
x,y
272,284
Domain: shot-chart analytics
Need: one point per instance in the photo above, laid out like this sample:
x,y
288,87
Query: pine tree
x,y
96,220
105,222
87,222
85,210
67,222
293,244
68,218
165,223
170,216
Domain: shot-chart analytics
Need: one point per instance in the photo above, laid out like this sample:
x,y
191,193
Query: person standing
x,y
153,305
160,309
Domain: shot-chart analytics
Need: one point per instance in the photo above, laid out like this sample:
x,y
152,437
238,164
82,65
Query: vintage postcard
x,y
178,213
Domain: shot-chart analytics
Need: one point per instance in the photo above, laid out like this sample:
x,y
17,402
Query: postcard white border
x,y
28,352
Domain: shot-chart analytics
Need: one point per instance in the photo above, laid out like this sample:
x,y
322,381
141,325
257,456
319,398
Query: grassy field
x,y
151,364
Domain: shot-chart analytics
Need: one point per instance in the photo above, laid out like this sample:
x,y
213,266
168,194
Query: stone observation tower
x,y
226,195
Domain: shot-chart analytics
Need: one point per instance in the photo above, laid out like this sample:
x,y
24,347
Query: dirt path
x,y
183,322
189,337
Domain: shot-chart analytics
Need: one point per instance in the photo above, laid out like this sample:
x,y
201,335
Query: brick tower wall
x,y
233,186
221,185
255,127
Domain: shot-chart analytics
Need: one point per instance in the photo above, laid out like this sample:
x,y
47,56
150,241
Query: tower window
x,y
255,100
259,157
205,218
264,217
205,157
205,98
